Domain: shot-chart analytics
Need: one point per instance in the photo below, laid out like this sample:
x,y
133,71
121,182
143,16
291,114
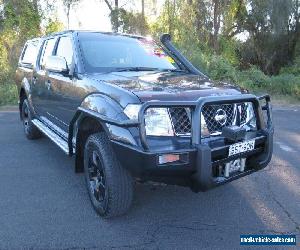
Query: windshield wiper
x,y
147,69
174,70
136,69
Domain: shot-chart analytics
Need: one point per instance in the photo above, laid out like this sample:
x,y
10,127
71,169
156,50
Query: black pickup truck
x,y
132,109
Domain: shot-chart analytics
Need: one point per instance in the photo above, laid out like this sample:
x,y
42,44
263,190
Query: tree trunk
x,y
216,21
108,5
117,14
143,8
68,16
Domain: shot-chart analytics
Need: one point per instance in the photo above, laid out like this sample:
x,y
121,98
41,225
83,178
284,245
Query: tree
x,y
69,4
114,13
19,21
273,27
127,21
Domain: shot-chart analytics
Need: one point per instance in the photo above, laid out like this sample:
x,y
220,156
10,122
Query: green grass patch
x,y
284,85
8,94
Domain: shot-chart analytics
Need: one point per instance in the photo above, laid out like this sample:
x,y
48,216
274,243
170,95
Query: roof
x,y
93,31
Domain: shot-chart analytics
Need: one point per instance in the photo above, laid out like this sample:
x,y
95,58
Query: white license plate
x,y
241,147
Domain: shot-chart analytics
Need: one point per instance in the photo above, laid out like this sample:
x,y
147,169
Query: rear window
x,y
30,53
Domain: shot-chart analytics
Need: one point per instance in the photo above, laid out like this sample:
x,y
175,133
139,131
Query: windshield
x,y
103,52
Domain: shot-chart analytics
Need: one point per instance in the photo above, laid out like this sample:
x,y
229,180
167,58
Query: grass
x,y
8,94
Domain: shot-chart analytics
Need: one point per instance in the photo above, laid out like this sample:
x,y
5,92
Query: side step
x,y
52,135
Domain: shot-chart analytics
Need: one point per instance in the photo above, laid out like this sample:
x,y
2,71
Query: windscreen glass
x,y
103,52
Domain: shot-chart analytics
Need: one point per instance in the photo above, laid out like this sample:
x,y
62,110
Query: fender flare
x,y
27,88
25,85
102,108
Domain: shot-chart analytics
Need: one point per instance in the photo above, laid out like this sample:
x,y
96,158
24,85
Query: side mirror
x,y
57,64
26,64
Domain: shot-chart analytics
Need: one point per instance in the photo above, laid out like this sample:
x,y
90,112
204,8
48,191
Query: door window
x,y
47,51
64,49
30,53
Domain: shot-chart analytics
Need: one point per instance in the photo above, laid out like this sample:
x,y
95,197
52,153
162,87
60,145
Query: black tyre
x,y
109,185
30,130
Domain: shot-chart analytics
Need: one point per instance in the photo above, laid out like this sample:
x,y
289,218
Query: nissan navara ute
x,y
129,108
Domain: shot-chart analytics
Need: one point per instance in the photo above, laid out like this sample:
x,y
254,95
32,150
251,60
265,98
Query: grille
x,y
181,120
181,117
243,113
210,111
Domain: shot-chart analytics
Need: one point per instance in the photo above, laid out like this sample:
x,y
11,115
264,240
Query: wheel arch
x,y
94,115
22,97
83,127
24,92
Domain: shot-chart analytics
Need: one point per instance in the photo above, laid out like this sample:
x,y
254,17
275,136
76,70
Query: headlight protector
x,y
250,123
204,130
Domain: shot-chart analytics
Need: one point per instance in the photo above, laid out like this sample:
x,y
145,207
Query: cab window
x,y
47,51
30,53
65,49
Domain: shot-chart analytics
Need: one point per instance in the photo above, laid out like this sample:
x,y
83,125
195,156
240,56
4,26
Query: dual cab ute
x,y
129,108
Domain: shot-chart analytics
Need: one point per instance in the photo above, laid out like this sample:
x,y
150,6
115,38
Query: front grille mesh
x,y
181,117
209,113
243,113
181,120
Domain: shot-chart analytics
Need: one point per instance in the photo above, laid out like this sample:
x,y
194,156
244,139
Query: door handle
x,y
34,80
48,84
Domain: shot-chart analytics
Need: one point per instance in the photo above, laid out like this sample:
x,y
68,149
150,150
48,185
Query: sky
x,y
94,14
87,15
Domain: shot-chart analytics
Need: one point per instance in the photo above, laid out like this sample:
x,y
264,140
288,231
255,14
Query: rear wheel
x,y
30,130
109,185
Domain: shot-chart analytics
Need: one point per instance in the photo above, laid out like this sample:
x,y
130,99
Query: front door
x,y
63,97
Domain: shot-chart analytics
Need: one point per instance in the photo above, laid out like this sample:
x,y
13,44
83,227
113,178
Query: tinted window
x,y
30,53
47,50
103,52
65,49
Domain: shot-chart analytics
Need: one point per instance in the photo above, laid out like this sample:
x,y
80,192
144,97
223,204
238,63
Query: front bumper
x,y
202,158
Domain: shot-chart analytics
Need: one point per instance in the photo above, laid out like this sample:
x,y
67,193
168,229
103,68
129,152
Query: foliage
x,y
19,21
8,94
128,22
208,37
53,26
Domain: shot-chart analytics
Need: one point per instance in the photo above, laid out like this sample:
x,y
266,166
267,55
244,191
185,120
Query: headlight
x,y
132,111
158,122
250,118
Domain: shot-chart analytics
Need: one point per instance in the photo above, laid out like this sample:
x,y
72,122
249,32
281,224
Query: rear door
x,y
26,64
40,77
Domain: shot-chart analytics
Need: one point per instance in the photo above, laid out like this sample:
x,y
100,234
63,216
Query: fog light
x,y
163,159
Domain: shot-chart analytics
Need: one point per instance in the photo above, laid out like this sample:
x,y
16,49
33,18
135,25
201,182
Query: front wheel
x,y
31,131
109,185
